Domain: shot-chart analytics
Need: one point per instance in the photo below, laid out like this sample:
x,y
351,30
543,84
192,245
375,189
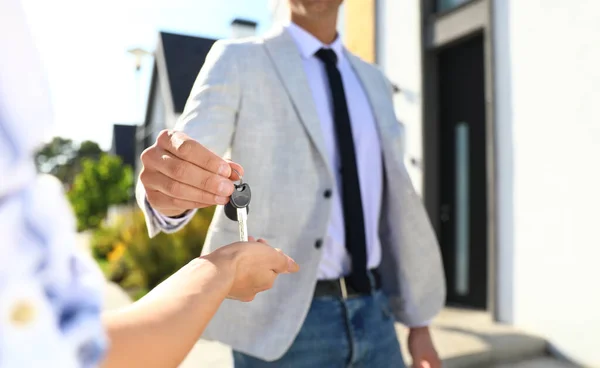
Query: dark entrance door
x,y
462,175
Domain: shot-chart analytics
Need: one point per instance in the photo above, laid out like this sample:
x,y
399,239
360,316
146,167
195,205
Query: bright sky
x,y
84,46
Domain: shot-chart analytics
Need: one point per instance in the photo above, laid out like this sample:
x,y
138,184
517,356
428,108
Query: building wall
x,y
547,80
158,120
242,30
548,58
398,52
359,35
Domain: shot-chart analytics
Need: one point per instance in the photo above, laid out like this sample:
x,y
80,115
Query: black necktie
x,y
353,211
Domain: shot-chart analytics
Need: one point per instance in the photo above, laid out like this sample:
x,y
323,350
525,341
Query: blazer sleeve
x,y
209,117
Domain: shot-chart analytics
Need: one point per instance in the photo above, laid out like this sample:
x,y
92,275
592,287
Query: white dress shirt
x,y
50,296
336,260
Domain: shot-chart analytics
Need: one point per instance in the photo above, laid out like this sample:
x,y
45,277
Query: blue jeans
x,y
356,332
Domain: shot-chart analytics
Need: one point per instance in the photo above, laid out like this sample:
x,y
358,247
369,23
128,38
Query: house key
x,y
237,209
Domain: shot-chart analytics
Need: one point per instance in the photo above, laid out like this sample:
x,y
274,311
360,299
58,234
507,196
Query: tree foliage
x,y
100,184
63,158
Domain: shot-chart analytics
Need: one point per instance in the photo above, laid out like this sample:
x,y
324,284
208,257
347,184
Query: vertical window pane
x,y
461,231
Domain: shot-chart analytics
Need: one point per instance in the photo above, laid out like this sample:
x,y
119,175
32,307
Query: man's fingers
x,y
187,149
162,202
187,173
235,170
165,193
159,182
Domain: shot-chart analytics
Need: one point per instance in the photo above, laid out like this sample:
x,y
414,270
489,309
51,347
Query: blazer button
x,y
319,243
327,193
22,313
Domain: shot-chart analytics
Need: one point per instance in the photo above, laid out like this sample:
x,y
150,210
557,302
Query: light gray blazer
x,y
252,99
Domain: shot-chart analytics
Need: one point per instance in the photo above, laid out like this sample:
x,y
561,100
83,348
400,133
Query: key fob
x,y
241,196
239,199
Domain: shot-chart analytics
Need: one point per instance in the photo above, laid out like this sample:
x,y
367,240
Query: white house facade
x,y
501,104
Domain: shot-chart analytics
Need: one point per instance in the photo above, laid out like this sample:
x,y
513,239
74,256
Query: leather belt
x,y
341,288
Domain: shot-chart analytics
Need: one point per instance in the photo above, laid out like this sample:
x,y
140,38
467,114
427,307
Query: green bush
x,y
100,183
103,241
136,262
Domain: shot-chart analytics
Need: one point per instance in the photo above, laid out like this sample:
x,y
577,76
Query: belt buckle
x,y
343,288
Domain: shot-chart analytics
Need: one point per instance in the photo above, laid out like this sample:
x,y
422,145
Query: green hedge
x,y
137,263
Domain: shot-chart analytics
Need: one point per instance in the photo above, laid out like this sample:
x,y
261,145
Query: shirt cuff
x,y
167,224
423,324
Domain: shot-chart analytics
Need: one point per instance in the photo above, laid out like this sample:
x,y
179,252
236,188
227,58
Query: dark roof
x,y
123,144
183,56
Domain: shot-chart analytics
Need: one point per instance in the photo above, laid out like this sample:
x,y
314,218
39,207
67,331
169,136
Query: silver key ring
x,y
239,175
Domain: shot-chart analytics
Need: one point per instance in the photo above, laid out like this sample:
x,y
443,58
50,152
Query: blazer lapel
x,y
288,62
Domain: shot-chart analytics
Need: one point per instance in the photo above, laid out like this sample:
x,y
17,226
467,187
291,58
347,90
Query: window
x,y
444,5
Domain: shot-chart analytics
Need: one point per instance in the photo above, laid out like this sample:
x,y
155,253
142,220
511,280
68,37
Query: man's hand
x,y
420,346
254,266
179,174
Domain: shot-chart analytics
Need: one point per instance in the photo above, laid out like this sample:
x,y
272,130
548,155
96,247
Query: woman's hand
x,y
160,329
253,267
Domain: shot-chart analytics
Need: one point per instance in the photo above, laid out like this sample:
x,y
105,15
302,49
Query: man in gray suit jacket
x,y
312,129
